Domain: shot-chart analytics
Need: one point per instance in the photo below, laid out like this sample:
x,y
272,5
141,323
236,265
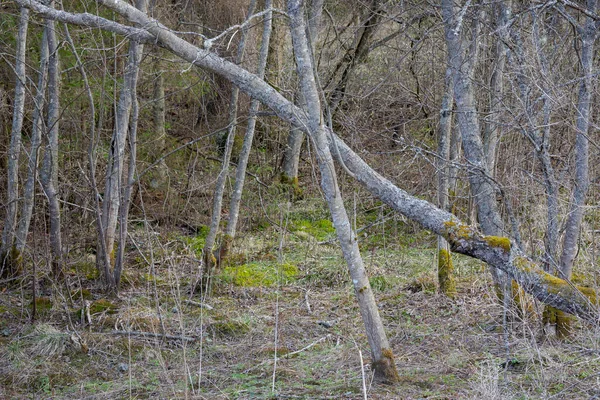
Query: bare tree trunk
x,y
582,180
490,138
49,172
208,258
463,58
240,175
9,264
126,193
383,358
34,148
291,157
539,137
158,119
445,267
114,174
496,251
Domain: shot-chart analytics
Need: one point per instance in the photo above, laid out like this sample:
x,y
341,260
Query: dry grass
x,y
300,339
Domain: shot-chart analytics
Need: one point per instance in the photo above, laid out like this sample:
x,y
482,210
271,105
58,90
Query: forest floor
x,y
282,323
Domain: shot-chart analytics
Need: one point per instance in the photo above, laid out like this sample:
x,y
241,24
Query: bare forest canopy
x,y
475,120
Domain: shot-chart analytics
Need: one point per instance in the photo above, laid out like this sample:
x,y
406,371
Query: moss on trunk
x,y
385,368
446,273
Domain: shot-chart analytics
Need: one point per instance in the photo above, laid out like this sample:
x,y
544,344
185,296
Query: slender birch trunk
x,y
240,175
10,262
49,172
208,258
382,355
34,148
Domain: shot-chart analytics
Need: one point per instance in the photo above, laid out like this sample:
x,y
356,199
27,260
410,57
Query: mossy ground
x,y
269,303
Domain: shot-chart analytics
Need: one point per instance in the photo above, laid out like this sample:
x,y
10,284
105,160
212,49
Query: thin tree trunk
x,y
114,174
49,172
208,258
383,358
34,148
126,193
582,180
496,251
291,156
445,266
158,119
491,134
10,260
463,58
240,175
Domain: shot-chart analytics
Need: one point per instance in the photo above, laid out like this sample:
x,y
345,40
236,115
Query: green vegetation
x,y
259,274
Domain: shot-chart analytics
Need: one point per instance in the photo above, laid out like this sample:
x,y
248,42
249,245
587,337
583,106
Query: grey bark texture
x,y
496,251
501,11
34,148
445,270
49,172
215,222
291,156
582,180
240,175
383,360
14,149
114,175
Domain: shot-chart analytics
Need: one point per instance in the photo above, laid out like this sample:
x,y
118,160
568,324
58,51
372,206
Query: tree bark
x,y
9,264
207,253
501,11
383,359
496,251
582,180
291,156
240,175
34,148
445,267
49,172
114,174
463,58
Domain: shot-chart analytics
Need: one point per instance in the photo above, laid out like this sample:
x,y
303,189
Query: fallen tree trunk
x,y
496,251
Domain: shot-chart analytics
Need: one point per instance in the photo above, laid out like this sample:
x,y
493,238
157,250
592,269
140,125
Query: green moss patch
x,y
320,229
260,274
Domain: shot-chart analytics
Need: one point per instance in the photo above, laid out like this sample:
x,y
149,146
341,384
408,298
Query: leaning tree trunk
x,y
240,175
34,148
496,251
208,259
582,180
49,172
114,174
10,260
445,266
383,359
